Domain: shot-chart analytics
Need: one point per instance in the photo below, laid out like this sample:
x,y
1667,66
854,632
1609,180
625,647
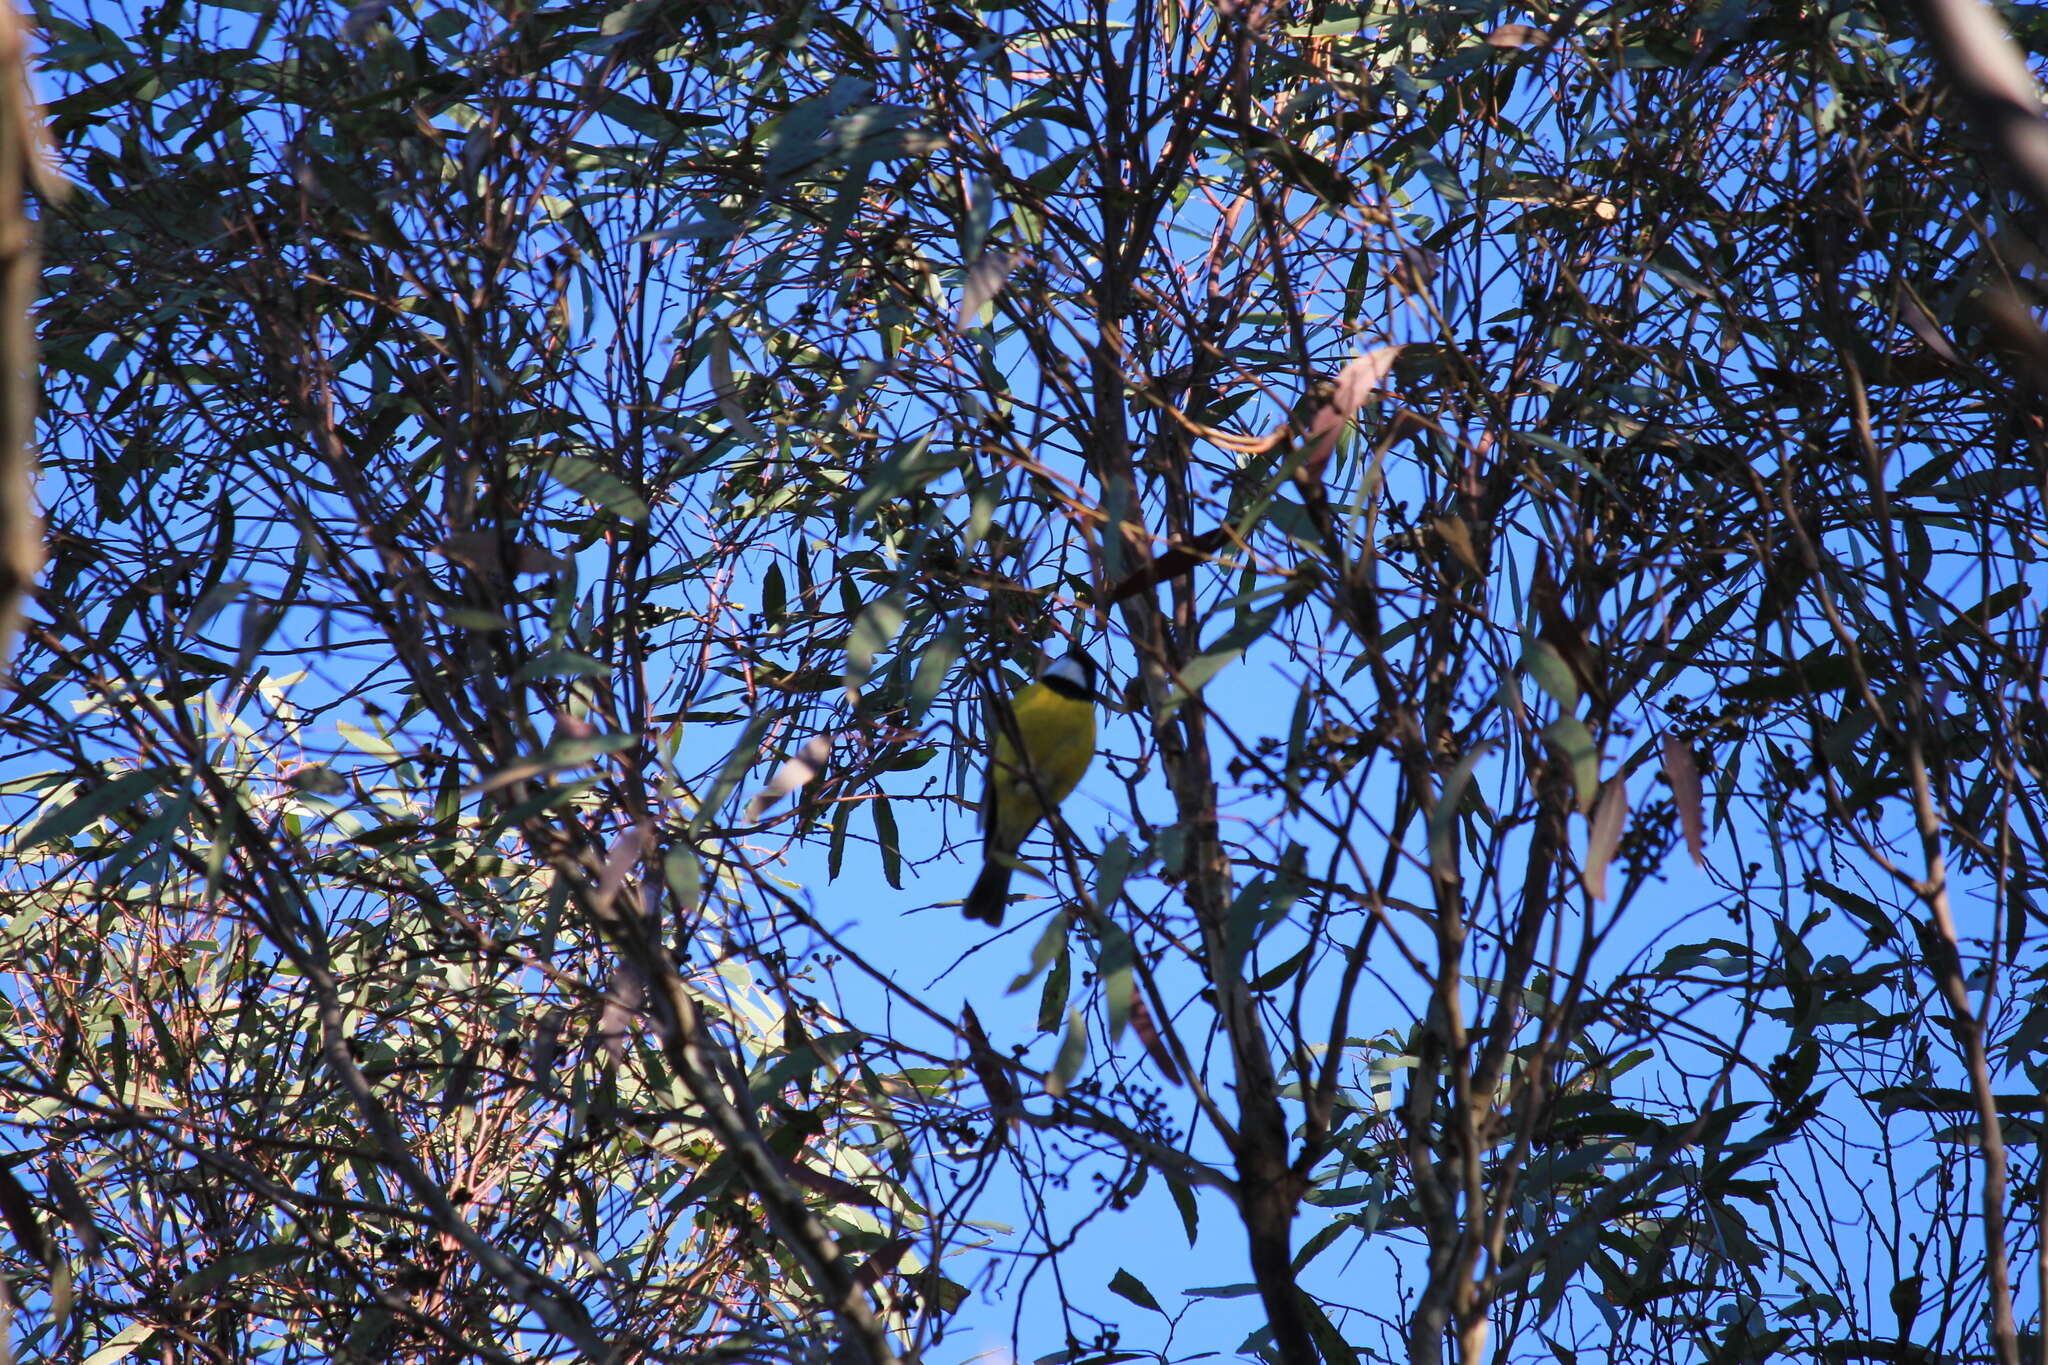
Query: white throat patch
x,y
1070,669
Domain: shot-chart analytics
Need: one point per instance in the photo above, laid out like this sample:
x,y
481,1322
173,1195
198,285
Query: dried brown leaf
x,y
1457,537
985,279
796,772
1148,1034
1684,775
1517,35
1610,816
1178,559
1355,383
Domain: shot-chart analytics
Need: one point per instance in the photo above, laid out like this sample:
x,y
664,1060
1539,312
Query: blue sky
x,y
931,955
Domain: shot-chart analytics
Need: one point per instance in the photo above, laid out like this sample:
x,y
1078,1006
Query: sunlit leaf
x,y
1603,835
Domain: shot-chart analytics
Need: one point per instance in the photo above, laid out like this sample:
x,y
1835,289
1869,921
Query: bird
x,y
1053,722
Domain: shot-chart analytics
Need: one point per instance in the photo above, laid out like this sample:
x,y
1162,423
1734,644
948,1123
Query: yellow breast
x,y
1058,738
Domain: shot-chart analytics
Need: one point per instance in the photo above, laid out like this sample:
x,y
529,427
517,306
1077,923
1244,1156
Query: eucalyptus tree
x,y
541,505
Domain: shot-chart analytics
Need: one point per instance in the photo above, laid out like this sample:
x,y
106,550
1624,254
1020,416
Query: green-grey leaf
x,y
598,486
1443,817
82,810
1126,1285
1575,742
1543,663
1073,1053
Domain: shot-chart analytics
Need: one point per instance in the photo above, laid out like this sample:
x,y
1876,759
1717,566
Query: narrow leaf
x,y
1050,945
1073,1052
82,810
1112,865
1356,382
1184,1200
1684,776
1575,742
1443,819
1155,1045
726,390
891,843
1053,998
731,771
19,1209
872,633
1605,835
795,773
597,486
984,281
1119,981
123,1344
1542,662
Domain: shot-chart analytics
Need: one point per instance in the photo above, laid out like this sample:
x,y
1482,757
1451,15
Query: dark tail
x,y
991,893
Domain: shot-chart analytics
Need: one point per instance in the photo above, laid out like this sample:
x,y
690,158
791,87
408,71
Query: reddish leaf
x,y
1148,1034
985,279
1609,817
621,861
830,1185
1178,559
1517,35
805,764
1684,776
622,1004
1355,383
881,1261
988,1067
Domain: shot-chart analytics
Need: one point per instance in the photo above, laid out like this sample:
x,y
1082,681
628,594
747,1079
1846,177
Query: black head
x,y
1072,675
